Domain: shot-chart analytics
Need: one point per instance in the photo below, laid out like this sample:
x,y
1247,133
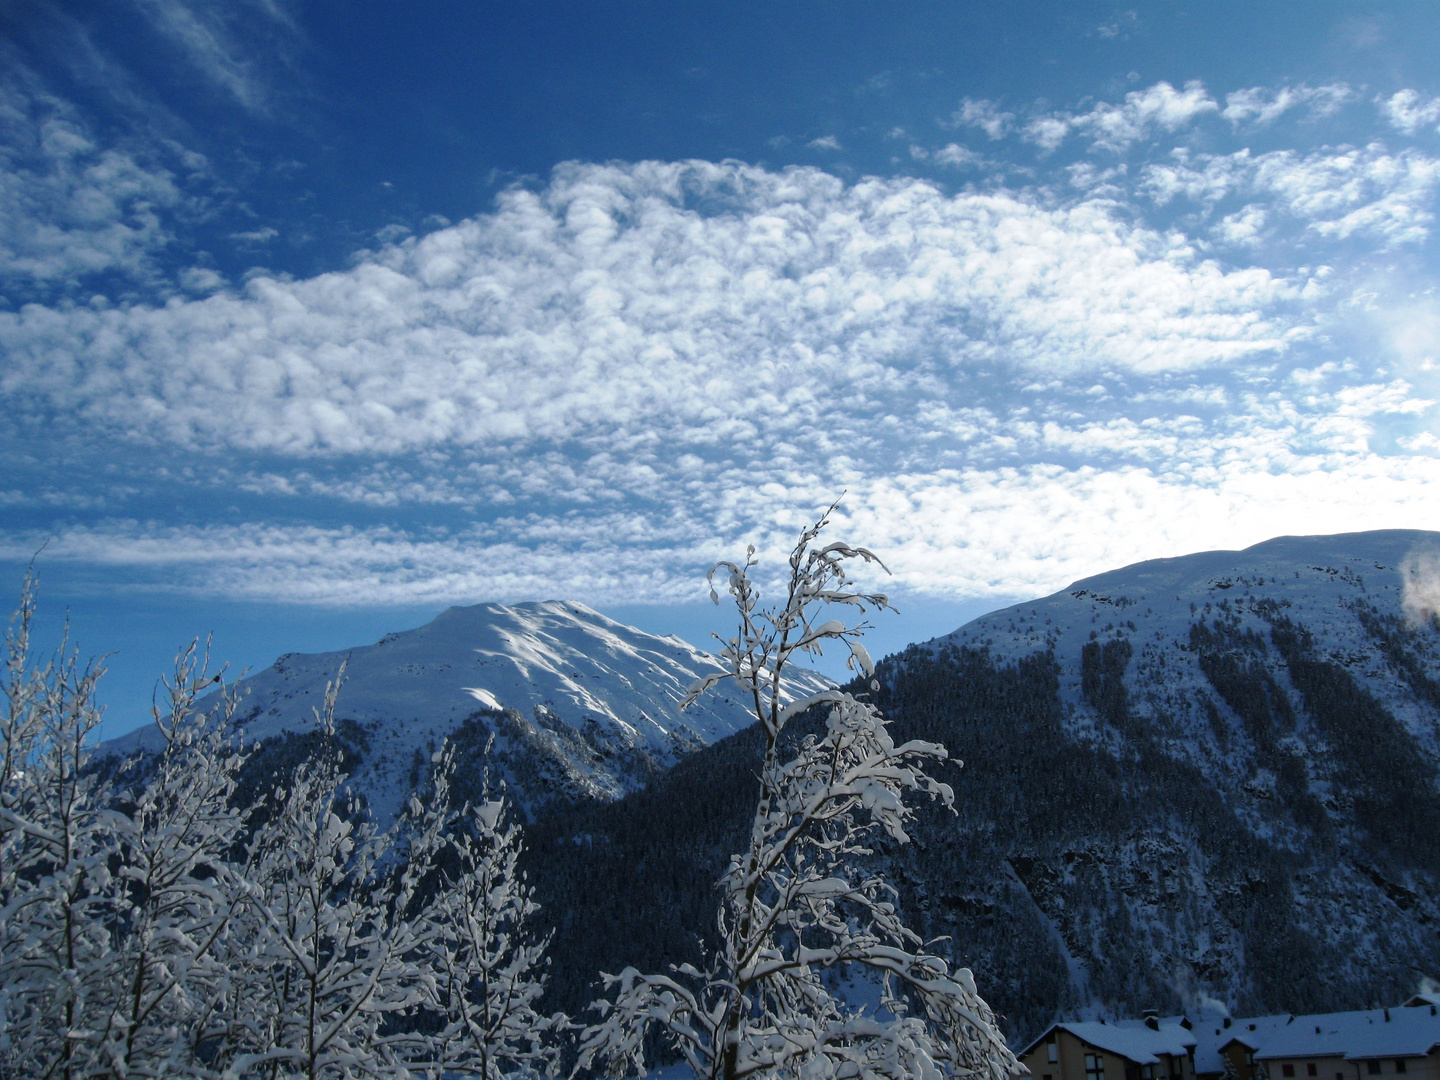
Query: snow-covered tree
x,y
326,962
798,904
150,927
57,840
113,902
488,966
177,891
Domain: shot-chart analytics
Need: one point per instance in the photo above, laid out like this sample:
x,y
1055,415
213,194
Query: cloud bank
x,y
677,298
1161,344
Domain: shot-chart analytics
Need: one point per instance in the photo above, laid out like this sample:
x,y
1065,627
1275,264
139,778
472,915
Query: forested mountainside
x,y
581,707
1213,776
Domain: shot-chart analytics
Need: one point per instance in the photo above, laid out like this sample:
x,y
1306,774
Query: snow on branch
x,y
796,903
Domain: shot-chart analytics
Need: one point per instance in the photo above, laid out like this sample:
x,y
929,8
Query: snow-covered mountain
x,y
1210,777
580,706
1336,587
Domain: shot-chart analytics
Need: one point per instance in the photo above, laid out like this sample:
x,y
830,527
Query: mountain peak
x,y
597,698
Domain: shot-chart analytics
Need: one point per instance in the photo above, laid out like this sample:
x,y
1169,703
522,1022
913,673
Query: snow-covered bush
x,y
799,913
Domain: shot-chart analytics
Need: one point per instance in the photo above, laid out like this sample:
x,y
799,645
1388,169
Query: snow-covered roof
x,y
1133,1039
1355,1036
1211,1035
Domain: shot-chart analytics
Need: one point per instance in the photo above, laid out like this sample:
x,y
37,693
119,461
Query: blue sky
x,y
316,318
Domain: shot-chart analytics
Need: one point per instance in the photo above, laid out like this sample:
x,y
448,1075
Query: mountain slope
x,y
1159,804
581,707
1227,788
1345,590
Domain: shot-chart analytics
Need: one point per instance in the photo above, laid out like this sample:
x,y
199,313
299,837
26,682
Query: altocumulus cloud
x,y
679,298
71,207
642,366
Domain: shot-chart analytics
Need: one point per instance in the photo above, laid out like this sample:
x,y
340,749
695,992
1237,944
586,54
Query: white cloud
x,y
1244,228
1087,177
1159,107
1262,106
1407,111
1120,26
1338,193
1023,530
216,40
70,207
985,115
603,305
1203,179
1117,127
1412,330
1017,388
1047,132
825,142
348,566
1363,190
961,157
201,279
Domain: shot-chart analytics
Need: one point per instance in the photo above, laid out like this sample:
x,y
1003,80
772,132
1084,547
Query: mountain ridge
x,y
1209,777
581,705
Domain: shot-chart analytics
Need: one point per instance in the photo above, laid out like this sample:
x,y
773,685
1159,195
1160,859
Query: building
x,y
1403,1041
1355,1045
1155,1048
1228,1046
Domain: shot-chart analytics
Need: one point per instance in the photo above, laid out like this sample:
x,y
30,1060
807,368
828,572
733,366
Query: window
x,y
1147,1072
1052,1052
1287,1069
1373,1068
1399,1064
1310,1069
1094,1067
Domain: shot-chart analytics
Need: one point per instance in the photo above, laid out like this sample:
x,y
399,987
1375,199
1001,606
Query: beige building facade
x,y
1149,1049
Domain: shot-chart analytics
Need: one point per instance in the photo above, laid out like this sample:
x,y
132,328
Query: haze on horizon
x,y
317,319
